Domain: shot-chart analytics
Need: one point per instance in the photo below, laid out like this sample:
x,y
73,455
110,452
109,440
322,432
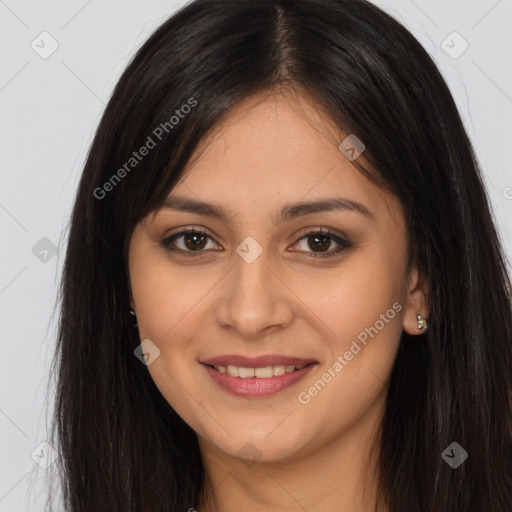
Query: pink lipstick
x,y
257,377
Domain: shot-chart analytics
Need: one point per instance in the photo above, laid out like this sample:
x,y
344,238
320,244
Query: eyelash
x,y
344,244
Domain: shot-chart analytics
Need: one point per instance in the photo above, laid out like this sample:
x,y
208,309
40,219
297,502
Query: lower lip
x,y
254,387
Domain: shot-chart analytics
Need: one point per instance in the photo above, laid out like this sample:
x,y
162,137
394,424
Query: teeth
x,y
264,373
261,373
233,371
246,372
280,370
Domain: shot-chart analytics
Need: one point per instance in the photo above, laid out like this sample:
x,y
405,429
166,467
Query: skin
x,y
266,152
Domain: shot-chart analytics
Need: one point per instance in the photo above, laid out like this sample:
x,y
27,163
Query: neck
x,y
340,474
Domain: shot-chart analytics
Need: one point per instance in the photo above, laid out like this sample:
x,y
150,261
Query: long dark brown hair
x,y
122,447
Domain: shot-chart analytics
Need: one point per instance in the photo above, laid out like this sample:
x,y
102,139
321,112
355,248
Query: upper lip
x,y
256,362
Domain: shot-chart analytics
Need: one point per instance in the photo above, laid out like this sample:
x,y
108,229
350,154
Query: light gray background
x,y
49,111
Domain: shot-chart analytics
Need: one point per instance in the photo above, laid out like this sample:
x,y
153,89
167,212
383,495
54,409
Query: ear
x,y
416,302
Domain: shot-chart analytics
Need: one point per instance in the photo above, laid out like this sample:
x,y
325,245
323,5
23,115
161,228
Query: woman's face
x,y
263,282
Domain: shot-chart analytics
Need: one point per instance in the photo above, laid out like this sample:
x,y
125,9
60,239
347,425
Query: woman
x,y
283,288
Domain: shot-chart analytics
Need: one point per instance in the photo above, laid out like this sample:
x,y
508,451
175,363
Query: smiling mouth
x,y
257,382
265,372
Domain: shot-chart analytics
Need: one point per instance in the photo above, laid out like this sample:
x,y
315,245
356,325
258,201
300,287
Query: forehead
x,y
271,150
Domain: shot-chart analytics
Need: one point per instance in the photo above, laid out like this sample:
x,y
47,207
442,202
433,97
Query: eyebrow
x,y
288,212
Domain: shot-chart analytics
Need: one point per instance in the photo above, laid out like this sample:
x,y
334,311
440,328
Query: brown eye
x,y
194,241
187,242
318,242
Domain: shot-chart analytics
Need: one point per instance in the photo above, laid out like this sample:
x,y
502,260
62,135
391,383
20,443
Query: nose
x,y
254,299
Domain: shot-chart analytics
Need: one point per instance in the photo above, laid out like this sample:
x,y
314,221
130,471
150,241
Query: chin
x,y
254,446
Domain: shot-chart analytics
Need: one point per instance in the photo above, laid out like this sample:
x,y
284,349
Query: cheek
x,y
164,297
168,309
166,315
362,308
354,298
